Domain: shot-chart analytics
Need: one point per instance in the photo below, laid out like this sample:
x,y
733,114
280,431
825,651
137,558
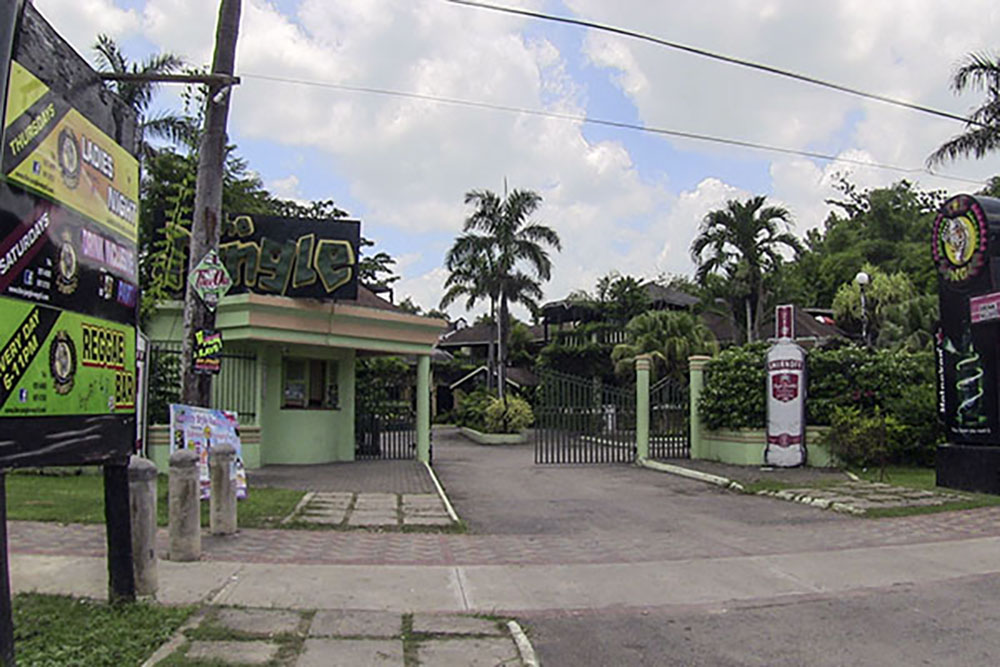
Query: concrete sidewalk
x,y
511,589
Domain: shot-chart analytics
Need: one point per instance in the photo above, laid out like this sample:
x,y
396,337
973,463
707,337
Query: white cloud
x,y
80,21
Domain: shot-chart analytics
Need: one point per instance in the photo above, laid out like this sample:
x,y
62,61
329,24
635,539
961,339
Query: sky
x,y
621,200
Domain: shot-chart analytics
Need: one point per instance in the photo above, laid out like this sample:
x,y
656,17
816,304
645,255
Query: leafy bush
x,y
843,381
510,418
857,439
734,392
470,408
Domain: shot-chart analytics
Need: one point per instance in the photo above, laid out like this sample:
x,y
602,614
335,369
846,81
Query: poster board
x,y
200,429
68,271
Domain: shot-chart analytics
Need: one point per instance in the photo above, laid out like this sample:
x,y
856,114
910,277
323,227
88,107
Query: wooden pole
x,y
6,615
207,222
118,522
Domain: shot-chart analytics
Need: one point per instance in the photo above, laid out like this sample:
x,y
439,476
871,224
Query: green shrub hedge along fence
x,y
897,384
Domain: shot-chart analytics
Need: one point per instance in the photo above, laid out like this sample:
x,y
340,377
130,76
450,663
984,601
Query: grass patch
x,y
58,630
80,499
913,478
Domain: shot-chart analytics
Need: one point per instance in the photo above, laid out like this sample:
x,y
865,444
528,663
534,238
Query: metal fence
x,y
669,420
581,420
234,388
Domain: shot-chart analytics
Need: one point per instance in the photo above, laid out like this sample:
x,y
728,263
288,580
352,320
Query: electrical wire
x,y
720,57
609,123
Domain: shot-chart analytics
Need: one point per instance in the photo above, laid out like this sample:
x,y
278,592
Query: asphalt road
x,y
636,515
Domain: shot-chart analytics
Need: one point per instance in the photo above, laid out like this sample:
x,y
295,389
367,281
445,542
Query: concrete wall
x,y
305,435
158,447
746,447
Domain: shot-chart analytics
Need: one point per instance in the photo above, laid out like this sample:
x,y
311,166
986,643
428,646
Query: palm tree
x,y
139,94
743,241
485,261
669,337
981,71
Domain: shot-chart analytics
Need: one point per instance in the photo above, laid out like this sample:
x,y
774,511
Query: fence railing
x,y
234,388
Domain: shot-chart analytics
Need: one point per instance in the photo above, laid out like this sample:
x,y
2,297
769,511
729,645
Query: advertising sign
x,y
293,257
207,352
784,321
786,396
202,428
68,275
967,344
210,280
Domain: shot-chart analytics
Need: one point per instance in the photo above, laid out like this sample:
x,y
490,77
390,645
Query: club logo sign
x,y
786,423
959,239
62,362
210,279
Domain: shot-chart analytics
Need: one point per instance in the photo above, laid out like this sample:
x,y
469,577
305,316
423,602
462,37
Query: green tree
x,y
743,242
669,337
139,94
499,239
979,72
884,291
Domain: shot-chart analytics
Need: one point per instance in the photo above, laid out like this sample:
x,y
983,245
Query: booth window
x,y
310,384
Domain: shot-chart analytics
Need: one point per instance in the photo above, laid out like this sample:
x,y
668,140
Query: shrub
x,y
471,409
510,418
857,439
734,392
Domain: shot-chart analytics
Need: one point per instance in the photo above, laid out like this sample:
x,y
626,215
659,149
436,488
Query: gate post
x,y
696,364
642,363
424,408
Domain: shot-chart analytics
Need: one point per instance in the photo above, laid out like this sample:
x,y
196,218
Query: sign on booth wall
x,y
68,274
200,429
786,395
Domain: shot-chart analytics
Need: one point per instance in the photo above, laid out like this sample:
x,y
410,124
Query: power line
x,y
720,57
607,123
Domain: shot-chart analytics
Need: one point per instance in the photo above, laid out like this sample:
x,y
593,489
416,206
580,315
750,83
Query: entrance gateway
x,y
583,420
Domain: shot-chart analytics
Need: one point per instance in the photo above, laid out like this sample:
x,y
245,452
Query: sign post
x,y
786,395
69,192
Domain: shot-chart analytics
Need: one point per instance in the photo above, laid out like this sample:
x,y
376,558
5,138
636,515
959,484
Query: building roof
x,y
482,334
660,298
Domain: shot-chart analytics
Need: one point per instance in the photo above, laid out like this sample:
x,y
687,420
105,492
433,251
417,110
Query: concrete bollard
x,y
222,502
185,506
142,509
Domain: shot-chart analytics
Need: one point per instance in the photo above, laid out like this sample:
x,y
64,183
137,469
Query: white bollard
x,y
185,506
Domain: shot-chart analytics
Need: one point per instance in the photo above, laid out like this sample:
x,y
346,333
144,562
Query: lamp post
x,y
862,279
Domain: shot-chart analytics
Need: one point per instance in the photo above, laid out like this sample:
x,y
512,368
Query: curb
x,y
299,507
524,647
442,494
717,480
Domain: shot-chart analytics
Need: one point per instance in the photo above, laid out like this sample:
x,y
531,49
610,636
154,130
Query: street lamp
x,y
862,279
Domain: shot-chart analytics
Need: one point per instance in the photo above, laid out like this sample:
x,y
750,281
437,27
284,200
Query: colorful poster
x,y
53,149
55,362
200,429
207,352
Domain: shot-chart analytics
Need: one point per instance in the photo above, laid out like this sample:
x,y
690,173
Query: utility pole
x,y
207,222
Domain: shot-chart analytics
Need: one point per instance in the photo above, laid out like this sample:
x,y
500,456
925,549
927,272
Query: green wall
x,y
302,435
746,447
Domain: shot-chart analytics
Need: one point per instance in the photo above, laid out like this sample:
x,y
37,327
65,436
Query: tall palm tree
x,y
139,94
669,337
743,241
980,71
486,259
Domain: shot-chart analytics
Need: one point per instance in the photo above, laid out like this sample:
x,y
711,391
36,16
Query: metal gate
x,y
581,420
669,420
385,422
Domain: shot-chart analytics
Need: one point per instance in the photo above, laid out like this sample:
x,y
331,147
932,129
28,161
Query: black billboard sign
x,y
68,275
966,251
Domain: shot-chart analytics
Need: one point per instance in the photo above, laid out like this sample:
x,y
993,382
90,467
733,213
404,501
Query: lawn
x,y
80,499
54,630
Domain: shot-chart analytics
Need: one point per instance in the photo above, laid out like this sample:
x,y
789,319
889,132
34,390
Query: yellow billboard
x,y
52,149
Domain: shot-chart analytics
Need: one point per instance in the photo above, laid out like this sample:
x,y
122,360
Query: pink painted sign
x,y
985,307
784,321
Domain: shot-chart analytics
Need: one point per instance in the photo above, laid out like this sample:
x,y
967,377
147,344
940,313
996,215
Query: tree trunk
x,y
749,321
502,347
207,222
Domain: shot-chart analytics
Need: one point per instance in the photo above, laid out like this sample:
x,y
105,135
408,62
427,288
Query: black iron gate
x,y
581,420
385,421
669,420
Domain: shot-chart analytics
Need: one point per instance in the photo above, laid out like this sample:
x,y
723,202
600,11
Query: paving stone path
x,y
336,637
371,510
859,497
